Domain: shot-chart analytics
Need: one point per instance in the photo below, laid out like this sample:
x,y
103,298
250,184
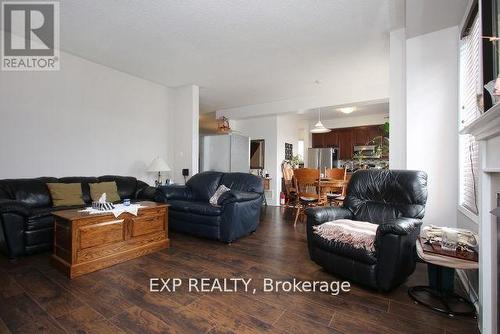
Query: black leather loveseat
x,y
26,222
393,199
237,214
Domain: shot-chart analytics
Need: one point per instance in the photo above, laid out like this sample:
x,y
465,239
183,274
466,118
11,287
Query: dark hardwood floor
x,y
35,298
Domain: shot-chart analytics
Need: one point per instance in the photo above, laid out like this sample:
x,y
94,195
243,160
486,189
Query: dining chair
x,y
336,195
289,185
307,189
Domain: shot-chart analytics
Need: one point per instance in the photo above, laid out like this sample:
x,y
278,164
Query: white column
x,y
185,104
432,119
397,100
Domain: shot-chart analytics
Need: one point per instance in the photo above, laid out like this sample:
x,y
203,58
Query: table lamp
x,y
158,165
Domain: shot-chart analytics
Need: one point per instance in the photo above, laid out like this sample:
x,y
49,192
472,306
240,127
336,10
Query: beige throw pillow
x,y
97,189
66,194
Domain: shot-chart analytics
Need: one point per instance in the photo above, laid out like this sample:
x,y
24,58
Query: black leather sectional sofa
x,y
395,201
237,215
26,222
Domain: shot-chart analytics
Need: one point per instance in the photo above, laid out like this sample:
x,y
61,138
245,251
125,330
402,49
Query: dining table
x,y
326,184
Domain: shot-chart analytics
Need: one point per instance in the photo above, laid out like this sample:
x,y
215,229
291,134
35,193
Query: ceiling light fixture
x,y
319,127
347,110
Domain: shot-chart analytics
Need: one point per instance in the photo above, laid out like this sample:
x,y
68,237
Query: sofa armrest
x,y
146,193
237,196
320,215
171,192
12,206
13,215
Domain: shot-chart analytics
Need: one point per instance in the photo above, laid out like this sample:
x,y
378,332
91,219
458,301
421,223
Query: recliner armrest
x,y
237,196
12,206
171,192
395,250
398,226
320,215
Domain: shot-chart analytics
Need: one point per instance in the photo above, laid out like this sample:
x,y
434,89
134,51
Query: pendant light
x,y
319,127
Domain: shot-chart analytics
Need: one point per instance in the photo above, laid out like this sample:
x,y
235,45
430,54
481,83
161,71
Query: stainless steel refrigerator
x,y
225,153
322,158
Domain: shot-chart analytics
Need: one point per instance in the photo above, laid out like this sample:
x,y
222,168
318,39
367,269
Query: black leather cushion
x,y
177,218
204,185
32,192
344,249
85,184
200,208
379,195
127,185
243,182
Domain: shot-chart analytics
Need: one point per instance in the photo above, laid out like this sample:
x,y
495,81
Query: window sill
x,y
469,214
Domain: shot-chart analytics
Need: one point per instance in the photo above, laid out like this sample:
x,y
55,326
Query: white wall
x,y
85,119
397,103
276,131
185,129
264,128
432,119
288,132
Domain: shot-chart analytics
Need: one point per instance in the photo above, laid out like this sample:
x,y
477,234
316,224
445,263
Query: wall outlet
x,y
185,172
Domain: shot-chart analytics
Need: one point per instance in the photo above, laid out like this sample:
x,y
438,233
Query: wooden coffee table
x,y
85,242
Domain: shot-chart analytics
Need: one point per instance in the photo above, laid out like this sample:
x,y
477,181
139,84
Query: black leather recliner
x,y
237,215
26,221
393,199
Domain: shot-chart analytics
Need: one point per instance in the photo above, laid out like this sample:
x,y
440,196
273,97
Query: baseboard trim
x,y
468,289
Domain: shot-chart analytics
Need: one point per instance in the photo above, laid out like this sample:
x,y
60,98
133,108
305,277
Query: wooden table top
x,y
73,214
332,182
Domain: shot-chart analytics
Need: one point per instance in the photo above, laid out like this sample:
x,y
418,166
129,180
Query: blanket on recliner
x,y
356,233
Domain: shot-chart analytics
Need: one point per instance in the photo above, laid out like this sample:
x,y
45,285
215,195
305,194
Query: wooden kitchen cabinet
x,y
346,138
331,139
318,140
361,135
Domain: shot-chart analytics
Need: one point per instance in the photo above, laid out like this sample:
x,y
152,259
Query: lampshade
x,y
319,127
158,165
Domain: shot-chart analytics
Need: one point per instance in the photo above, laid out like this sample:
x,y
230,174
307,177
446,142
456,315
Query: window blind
x,y
471,100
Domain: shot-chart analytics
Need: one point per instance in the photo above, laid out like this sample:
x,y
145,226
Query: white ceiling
x,y
239,52
332,112
425,16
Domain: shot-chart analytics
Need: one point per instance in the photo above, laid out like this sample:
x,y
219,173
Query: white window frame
x,y
461,143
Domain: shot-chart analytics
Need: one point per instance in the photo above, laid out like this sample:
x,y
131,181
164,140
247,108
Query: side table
x,y
441,273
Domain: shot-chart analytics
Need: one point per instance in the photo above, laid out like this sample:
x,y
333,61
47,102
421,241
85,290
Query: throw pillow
x,y
97,189
65,194
215,198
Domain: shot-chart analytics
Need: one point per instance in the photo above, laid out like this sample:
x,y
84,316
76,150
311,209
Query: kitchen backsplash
x,y
354,164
